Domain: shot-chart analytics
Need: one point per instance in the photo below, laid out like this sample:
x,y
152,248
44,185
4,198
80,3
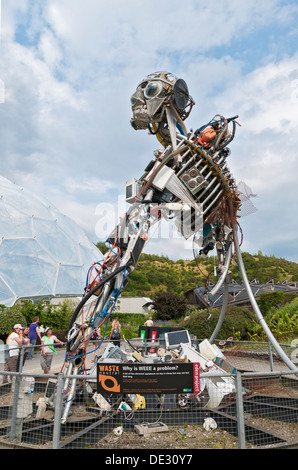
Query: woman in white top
x,y
14,343
48,350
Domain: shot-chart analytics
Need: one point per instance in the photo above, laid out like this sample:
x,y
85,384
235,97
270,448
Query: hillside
x,y
155,274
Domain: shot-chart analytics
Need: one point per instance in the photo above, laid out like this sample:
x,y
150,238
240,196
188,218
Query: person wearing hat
x,y
48,350
14,342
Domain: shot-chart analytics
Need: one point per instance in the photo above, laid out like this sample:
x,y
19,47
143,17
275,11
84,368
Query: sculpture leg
x,y
70,397
222,313
257,311
224,272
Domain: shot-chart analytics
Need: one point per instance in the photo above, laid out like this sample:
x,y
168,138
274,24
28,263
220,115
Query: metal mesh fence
x,y
234,409
20,415
251,356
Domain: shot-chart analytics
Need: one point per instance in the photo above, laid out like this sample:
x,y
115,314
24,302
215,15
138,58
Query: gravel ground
x,y
186,437
288,431
196,437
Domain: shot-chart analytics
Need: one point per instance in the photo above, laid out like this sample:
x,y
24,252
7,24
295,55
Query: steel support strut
x,y
257,311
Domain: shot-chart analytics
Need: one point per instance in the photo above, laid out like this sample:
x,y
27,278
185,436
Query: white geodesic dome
x,y
42,252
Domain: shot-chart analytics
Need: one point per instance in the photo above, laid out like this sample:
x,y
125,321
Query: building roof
x,y
237,292
134,304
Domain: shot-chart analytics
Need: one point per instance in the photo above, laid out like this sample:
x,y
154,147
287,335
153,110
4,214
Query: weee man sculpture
x,y
187,181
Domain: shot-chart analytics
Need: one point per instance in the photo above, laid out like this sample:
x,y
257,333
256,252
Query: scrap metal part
x,y
151,428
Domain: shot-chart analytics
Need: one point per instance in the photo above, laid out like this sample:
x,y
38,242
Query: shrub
x,y
270,300
236,322
57,316
30,310
282,321
8,318
169,306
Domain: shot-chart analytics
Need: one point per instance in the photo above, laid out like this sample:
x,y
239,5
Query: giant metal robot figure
x,y
187,181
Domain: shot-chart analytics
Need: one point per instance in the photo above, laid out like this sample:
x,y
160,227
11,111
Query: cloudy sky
x,y
69,67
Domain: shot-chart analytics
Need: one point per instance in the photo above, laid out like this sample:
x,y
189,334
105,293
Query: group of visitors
x,y
27,336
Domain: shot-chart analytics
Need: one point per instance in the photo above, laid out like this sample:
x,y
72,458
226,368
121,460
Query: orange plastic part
x,y
206,137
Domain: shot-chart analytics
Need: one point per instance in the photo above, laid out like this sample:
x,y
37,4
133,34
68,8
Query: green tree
x,y
238,321
169,306
8,318
269,300
30,310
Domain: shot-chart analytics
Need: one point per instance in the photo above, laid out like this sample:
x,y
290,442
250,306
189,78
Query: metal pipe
x,y
212,192
257,311
68,372
218,163
224,272
222,313
15,407
187,164
270,356
214,180
213,202
240,411
58,411
70,397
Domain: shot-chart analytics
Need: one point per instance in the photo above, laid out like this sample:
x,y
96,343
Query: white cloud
x,y
65,127
265,97
93,184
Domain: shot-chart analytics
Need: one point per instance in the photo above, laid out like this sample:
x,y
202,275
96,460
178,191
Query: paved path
x,y
243,364
33,366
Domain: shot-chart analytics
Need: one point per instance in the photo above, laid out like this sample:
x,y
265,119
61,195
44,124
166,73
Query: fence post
x,y
270,356
17,382
15,407
240,411
58,412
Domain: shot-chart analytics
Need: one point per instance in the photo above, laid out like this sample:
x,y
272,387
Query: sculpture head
x,y
155,94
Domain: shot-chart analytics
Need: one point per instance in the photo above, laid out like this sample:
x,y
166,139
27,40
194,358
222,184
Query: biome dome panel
x,y
42,252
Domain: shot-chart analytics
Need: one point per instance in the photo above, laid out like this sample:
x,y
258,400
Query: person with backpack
x,y
116,332
96,339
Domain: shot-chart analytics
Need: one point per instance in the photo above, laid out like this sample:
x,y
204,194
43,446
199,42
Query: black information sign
x,y
148,378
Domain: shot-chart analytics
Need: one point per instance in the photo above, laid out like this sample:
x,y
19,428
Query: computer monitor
x,y
173,339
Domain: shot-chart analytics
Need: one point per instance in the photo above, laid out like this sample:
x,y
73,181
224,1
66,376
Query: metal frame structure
x,y
188,181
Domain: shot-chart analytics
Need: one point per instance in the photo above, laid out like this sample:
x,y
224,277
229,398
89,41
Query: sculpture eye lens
x,y
181,94
152,89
